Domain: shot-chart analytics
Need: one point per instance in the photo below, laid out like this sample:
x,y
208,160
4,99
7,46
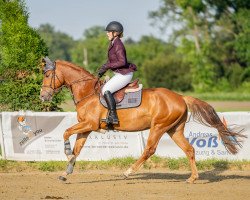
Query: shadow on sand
x,y
204,177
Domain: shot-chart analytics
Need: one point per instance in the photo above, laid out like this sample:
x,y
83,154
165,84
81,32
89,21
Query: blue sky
x,y
75,16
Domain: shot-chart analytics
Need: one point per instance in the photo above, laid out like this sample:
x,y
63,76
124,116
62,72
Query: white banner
x,y
38,136
206,140
1,139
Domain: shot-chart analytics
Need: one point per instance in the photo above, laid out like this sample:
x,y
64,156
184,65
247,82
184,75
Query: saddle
x,y
131,87
127,97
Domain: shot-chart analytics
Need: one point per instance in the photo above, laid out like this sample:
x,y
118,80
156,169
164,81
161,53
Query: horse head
x,y
52,80
79,81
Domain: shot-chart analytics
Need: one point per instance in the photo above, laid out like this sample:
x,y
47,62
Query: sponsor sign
x,y
206,141
34,136
112,145
1,139
38,136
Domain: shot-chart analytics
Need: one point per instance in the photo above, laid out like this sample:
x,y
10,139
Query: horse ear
x,y
47,64
47,61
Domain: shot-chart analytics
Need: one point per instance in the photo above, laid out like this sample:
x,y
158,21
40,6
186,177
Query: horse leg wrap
x,y
67,147
70,166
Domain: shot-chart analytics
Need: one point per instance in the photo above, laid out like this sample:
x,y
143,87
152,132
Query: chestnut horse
x,y
161,110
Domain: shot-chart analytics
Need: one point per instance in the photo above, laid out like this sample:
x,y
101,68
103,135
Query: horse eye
x,y
47,75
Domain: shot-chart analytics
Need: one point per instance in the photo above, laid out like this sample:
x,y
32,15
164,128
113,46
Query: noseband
x,y
49,66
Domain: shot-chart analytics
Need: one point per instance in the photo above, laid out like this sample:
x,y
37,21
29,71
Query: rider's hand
x,y
102,71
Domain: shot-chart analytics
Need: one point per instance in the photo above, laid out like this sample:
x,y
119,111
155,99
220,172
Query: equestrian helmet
x,y
114,26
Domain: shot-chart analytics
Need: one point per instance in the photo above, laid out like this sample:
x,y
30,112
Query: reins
x,y
80,80
52,85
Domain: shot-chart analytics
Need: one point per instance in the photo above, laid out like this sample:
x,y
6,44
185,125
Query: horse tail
x,y
205,114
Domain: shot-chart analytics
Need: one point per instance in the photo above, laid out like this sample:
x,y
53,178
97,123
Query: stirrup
x,y
112,118
109,125
114,121
108,121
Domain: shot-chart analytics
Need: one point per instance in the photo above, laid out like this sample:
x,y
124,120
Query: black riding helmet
x,y
115,26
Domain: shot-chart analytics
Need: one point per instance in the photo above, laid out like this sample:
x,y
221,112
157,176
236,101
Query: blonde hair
x,y
117,34
120,35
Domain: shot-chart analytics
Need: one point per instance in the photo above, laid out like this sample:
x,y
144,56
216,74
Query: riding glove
x,y
102,71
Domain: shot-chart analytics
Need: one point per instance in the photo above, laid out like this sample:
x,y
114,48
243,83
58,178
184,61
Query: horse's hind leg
x,y
153,140
178,137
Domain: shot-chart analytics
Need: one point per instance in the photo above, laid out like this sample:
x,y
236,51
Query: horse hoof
x,y
61,178
127,173
190,181
125,176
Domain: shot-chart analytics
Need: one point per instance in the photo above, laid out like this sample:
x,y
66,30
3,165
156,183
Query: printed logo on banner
x,y
204,143
109,141
22,126
27,128
208,143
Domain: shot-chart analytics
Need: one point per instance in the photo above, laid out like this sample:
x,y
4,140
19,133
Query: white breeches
x,y
117,82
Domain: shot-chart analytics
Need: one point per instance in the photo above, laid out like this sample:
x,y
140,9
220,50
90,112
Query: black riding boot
x,y
112,115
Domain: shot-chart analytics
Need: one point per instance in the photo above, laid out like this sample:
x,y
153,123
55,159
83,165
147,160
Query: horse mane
x,y
78,68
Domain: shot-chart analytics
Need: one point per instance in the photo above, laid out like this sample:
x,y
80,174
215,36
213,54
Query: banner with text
x,y
38,136
206,140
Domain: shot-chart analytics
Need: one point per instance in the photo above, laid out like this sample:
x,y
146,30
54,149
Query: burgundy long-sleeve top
x,y
117,59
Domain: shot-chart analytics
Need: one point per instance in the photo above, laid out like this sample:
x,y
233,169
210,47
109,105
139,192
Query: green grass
x,y
51,166
116,163
3,164
122,164
221,96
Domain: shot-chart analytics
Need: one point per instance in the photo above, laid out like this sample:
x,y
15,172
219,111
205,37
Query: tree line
x,y
207,51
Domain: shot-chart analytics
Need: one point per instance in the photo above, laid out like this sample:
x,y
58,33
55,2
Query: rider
x,y
117,62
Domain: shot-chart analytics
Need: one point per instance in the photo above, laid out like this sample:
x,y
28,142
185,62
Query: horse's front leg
x,y
82,130
79,143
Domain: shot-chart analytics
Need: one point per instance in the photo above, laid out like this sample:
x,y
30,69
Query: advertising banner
x,y
38,136
206,141
112,145
1,139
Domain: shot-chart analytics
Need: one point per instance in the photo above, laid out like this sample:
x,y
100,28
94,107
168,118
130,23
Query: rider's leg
x,y
112,118
117,82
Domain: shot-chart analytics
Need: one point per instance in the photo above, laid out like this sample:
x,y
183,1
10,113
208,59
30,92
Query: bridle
x,y
52,84
55,90
95,91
